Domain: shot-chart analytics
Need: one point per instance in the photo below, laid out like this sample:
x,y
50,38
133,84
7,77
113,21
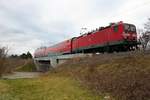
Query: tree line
x,y
27,55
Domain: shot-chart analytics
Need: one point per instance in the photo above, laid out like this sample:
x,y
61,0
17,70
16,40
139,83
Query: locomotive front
x,y
130,36
129,33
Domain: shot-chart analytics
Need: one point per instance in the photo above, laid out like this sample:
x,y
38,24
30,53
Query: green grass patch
x,y
44,88
29,66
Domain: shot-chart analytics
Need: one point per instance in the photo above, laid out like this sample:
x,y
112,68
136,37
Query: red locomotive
x,y
115,37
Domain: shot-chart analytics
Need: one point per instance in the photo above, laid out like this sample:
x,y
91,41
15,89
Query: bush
x,y
8,64
3,54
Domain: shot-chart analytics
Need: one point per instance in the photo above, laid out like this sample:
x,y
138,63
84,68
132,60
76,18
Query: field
x,y
122,76
44,88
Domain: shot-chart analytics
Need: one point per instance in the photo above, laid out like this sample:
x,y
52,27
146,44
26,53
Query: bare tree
x,y
3,52
145,35
144,39
3,55
147,25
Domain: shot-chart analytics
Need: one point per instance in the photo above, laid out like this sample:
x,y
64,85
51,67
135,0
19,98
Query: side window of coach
x,y
115,28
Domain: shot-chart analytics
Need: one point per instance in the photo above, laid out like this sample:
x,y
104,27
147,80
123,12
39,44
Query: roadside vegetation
x,y
118,76
4,61
124,76
9,64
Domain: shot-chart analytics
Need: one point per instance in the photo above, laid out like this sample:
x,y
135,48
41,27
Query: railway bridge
x,y
45,63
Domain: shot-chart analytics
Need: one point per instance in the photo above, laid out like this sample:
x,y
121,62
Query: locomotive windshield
x,y
129,28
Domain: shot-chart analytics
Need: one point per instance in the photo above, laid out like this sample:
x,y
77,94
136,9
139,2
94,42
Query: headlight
x,y
134,35
126,34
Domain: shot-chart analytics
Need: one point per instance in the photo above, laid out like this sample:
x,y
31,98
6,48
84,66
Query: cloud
x,y
27,24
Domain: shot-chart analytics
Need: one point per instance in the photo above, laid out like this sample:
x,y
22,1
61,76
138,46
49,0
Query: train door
x,y
72,44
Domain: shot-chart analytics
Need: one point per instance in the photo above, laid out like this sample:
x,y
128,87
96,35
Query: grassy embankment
x,y
124,76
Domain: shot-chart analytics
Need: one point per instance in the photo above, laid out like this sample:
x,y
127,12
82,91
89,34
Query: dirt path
x,y
17,75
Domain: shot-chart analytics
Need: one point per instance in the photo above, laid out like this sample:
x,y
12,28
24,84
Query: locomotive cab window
x,y
129,28
115,28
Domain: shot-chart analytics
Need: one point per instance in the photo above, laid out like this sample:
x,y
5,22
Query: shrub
x,y
3,54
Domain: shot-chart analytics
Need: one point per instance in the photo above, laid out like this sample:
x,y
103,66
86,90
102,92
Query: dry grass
x,y
4,88
2,69
123,76
8,65
28,66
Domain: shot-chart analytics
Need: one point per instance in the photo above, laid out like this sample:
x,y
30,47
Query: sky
x,y
26,25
